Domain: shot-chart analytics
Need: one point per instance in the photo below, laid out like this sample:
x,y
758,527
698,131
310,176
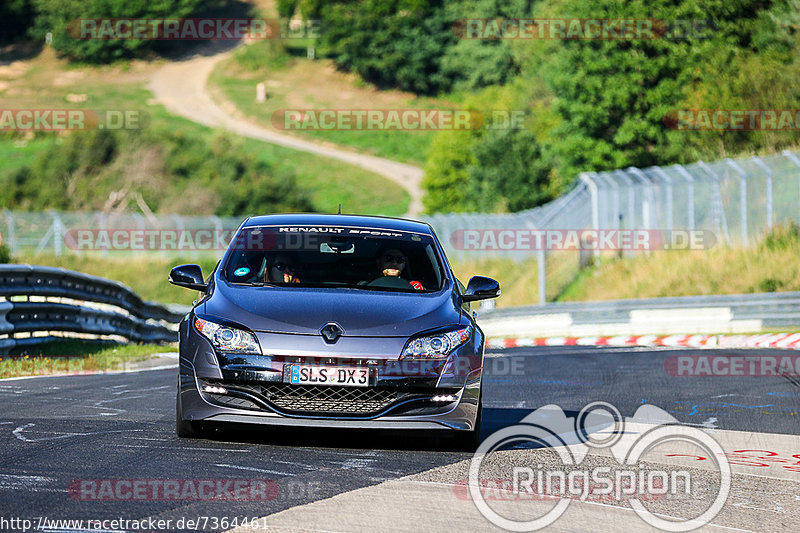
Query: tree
x,y
16,17
613,95
60,17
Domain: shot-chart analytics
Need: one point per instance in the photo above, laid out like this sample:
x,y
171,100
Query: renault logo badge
x,y
331,332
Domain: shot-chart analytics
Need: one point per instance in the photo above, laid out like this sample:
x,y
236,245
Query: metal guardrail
x,y
708,314
41,301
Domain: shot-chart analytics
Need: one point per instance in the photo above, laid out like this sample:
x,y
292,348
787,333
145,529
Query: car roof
x,y
322,219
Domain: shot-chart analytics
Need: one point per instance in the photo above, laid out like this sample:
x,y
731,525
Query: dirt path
x,y
181,87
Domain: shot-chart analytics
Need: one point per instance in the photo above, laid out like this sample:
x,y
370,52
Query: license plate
x,y
328,375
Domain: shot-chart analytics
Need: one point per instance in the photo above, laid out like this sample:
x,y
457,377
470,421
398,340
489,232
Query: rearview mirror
x,y
481,288
188,276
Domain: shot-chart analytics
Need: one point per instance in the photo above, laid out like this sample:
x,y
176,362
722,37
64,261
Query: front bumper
x,y
254,391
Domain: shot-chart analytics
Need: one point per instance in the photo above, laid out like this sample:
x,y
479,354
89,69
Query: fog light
x,y
444,398
211,389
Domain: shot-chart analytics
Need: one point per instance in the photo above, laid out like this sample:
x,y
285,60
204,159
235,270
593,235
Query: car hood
x,y
306,310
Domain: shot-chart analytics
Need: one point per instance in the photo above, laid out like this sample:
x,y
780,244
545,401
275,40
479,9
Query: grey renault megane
x,y
332,321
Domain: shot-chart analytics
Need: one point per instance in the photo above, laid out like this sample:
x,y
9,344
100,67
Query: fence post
x,y
586,178
666,178
631,198
217,229
716,203
541,258
690,200
768,172
103,227
45,238
10,237
604,176
742,196
648,206
793,158
58,233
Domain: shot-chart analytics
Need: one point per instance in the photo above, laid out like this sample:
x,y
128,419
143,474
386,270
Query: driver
x,y
281,269
392,264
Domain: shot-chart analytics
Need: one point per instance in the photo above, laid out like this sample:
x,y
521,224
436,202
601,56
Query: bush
x,y
500,167
783,237
5,254
172,171
55,16
16,18
412,45
613,95
269,52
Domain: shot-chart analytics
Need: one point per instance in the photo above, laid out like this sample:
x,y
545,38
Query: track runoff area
x,y
575,437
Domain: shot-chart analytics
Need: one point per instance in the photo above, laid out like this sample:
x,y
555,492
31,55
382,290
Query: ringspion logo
x,y
628,476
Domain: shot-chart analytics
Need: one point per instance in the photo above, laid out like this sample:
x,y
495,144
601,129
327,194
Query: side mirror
x,y
481,288
188,276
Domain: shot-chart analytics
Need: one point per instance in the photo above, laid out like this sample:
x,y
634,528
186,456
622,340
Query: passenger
x,y
281,269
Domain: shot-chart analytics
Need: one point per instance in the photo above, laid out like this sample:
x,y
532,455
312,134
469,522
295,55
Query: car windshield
x,y
329,256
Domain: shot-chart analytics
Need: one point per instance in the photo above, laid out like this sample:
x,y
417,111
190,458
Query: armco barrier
x,y
740,313
43,302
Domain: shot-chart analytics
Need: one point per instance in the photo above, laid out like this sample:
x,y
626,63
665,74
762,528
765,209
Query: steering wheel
x,y
393,282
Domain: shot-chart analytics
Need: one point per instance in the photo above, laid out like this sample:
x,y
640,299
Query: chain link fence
x,y
733,201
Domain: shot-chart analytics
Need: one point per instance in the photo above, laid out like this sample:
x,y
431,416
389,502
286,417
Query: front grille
x,y
328,399
312,399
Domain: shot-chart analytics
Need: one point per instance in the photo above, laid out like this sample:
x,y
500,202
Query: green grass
x,y
358,190
330,182
75,356
17,153
771,266
145,274
236,79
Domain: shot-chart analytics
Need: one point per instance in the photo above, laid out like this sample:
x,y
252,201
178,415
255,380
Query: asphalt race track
x,y
57,432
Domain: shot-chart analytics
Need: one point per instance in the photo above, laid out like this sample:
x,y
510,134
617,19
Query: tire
x,y
185,429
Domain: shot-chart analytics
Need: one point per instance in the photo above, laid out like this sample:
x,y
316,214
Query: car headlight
x,y
439,345
227,339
